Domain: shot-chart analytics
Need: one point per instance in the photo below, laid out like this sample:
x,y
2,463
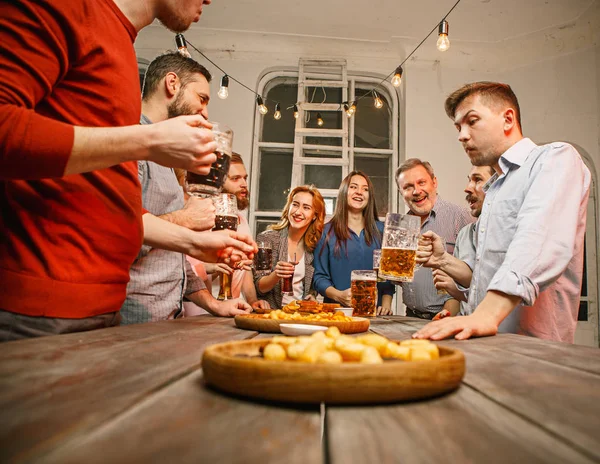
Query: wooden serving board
x,y
248,322
238,368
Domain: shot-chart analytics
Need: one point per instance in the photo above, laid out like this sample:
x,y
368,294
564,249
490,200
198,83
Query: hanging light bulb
x,y
182,45
277,114
223,92
443,43
262,108
350,109
397,78
320,121
296,112
378,102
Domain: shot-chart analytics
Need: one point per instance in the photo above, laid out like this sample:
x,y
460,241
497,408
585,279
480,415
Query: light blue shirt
x,y
530,238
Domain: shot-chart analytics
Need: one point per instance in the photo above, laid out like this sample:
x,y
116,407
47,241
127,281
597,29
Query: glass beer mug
x,y
226,217
399,247
363,287
212,183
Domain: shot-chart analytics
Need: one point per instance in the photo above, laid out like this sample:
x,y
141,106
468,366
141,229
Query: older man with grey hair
x,y
418,185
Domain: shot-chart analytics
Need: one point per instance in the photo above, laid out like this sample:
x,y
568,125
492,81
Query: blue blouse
x,y
334,271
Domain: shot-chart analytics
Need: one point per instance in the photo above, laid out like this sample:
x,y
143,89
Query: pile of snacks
x,y
280,315
331,347
307,306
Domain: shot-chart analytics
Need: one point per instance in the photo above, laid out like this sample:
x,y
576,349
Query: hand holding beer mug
x,y
399,247
363,285
212,183
225,218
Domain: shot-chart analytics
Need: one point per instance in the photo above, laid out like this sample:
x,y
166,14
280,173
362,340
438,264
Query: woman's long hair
x,y
315,229
339,221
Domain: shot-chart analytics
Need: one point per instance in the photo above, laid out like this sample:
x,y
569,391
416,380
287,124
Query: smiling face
x,y
358,194
301,213
178,15
481,130
189,99
477,178
237,183
418,189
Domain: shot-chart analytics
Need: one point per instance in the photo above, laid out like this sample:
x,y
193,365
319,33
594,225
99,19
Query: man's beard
x,y
243,202
178,107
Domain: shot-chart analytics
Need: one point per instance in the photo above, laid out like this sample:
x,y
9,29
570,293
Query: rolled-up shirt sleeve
x,y
322,277
193,282
34,55
546,225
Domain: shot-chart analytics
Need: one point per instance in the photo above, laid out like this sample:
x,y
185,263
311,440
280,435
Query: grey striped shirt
x,y
446,219
158,278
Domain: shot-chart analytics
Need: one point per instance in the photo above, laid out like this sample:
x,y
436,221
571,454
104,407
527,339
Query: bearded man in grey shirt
x,y
159,279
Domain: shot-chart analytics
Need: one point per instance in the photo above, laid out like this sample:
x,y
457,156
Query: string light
x,y
223,92
182,45
320,121
277,114
443,43
378,102
397,79
262,108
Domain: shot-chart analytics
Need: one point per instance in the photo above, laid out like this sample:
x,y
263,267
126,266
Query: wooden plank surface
x,y
56,387
186,422
563,401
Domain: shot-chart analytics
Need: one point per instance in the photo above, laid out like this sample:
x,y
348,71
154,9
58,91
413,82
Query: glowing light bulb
x,y
262,108
350,109
397,78
182,45
378,102
443,43
223,92
320,121
296,114
277,114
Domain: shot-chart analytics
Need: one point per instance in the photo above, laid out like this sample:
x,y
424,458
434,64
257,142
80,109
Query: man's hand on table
x,y
462,327
232,308
260,304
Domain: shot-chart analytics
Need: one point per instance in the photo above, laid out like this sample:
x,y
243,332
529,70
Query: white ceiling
x,y
385,20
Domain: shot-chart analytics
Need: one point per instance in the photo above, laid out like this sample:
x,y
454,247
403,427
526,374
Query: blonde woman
x,y
293,238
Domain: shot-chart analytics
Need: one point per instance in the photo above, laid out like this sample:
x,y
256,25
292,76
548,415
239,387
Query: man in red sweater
x,y
70,199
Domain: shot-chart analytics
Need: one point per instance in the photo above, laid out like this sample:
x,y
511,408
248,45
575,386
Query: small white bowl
x,y
301,329
346,311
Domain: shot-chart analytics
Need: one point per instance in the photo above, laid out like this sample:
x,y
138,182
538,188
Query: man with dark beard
x,y
173,86
242,282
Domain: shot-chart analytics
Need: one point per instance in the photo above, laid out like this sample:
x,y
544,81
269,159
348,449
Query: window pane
x,y
330,205
318,94
331,120
324,177
378,169
275,178
261,224
583,311
372,128
282,130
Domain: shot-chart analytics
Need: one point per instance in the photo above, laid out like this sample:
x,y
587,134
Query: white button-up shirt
x,y
530,238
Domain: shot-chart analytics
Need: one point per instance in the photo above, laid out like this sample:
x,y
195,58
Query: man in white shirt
x,y
530,236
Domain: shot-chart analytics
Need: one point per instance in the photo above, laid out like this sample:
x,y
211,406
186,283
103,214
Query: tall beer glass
x,y
399,247
212,183
225,218
363,287
263,260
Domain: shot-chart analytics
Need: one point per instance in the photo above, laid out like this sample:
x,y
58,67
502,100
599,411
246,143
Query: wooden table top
x,y
135,394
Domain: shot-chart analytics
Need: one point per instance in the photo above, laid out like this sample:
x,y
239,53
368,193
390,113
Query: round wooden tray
x,y
248,322
236,367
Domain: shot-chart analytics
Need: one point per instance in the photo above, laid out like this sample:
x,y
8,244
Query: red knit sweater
x,y
66,243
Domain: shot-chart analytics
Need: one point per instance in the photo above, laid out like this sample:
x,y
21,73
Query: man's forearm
x,y
248,289
457,269
102,147
497,306
159,233
453,306
205,300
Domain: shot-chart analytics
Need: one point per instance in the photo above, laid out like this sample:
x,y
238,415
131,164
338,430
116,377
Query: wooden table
x,y
135,394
